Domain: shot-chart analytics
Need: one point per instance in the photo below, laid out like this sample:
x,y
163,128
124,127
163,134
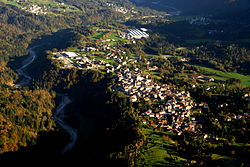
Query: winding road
x,y
21,71
65,99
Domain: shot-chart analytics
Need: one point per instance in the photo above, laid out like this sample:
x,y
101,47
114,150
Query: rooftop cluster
x,y
172,108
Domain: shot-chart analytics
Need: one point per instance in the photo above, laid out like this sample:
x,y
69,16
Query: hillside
x,y
125,82
196,6
23,116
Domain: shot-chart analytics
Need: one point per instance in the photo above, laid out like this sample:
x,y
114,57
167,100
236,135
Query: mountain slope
x,y
197,5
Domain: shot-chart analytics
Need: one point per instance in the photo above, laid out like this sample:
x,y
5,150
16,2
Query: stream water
x,y
25,80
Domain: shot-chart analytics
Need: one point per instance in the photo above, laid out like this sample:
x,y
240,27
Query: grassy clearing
x,y
65,10
160,150
132,56
47,3
96,36
219,157
103,59
241,144
155,75
162,56
106,60
74,50
95,28
115,37
217,74
14,3
181,48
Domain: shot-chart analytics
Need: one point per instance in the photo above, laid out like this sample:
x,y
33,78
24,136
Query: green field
x,y
96,35
95,28
218,157
103,59
14,3
74,50
217,74
160,150
132,56
115,37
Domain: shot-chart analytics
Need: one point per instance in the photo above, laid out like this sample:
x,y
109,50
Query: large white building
x,y
136,34
70,54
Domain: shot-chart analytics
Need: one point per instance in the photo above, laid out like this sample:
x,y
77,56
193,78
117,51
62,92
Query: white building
x,y
71,54
136,34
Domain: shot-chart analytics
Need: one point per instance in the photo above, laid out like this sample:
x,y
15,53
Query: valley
x,y
124,83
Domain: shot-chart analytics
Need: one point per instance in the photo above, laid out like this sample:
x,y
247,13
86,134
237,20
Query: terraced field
x,y
217,74
160,152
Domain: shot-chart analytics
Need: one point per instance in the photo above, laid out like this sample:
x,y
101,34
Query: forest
x,y
24,114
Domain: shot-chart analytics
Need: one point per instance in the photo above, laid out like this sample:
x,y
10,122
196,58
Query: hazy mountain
x,y
197,5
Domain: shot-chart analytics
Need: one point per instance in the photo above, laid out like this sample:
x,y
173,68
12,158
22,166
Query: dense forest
x,y
24,114
102,116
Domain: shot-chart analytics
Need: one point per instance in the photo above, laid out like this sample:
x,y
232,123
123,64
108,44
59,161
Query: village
x,y
173,111
42,7
174,107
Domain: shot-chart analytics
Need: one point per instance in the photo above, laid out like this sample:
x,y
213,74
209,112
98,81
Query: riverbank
x,y
25,79
59,117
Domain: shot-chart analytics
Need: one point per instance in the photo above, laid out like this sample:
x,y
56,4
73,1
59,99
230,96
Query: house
x,y
70,54
153,125
133,98
144,29
162,112
151,115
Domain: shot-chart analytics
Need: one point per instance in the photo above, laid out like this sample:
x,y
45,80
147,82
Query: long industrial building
x,y
136,34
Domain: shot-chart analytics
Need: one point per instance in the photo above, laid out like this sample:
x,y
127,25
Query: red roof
x,y
153,125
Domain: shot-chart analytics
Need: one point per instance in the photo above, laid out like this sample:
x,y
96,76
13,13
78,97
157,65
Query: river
x,y
21,71
58,116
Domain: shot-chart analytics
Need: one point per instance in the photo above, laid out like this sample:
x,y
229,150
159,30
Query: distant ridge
x,y
198,5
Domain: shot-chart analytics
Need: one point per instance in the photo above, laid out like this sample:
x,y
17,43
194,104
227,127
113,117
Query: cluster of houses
x,y
41,8
173,112
212,32
242,115
204,79
122,10
172,107
35,9
198,20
